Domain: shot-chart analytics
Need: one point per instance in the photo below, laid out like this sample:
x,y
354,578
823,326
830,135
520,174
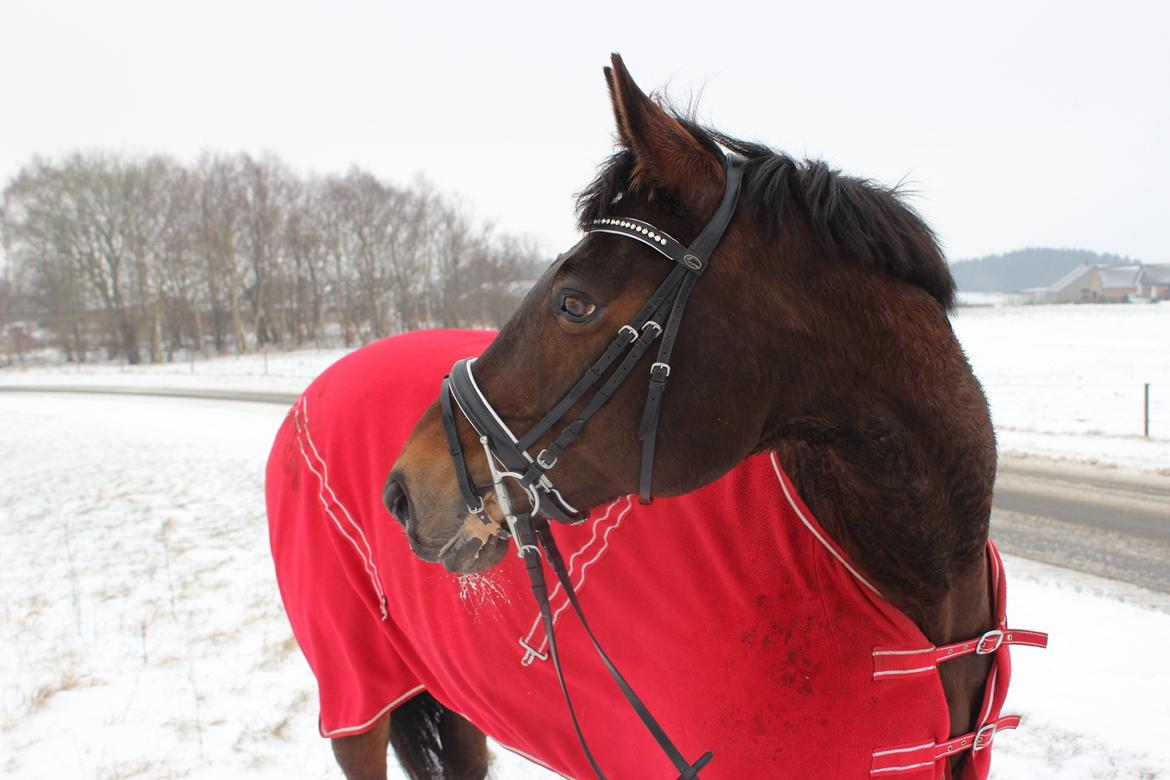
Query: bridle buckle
x,y
540,460
522,549
659,371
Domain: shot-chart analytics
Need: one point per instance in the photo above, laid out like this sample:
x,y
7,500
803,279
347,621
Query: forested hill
x,y
1024,268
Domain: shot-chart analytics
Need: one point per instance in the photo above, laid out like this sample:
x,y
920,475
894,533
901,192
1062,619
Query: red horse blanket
x,y
746,630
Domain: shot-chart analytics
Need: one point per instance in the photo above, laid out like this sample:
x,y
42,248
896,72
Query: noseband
x,y
509,458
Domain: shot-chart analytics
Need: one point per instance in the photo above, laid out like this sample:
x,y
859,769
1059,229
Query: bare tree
x,y
266,188
237,251
305,242
220,207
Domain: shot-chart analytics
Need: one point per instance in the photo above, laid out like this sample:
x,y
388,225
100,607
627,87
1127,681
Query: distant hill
x,y
1024,268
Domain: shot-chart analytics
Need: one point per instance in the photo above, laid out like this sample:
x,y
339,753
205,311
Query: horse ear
x,y
666,154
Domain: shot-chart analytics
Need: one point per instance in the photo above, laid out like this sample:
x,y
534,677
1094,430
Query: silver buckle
x,y
540,460
995,634
980,742
630,328
521,549
660,365
655,325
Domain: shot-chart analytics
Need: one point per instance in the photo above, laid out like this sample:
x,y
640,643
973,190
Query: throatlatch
x,y
508,456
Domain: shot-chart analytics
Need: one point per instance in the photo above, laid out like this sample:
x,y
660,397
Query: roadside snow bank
x,y
275,372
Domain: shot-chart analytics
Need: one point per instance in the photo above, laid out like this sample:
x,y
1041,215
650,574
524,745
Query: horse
x,y
816,345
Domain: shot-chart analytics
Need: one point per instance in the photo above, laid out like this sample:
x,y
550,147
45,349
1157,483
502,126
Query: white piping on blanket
x,y
323,478
526,641
812,529
350,729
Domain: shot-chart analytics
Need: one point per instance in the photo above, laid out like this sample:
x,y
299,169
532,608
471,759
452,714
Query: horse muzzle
x,y
461,542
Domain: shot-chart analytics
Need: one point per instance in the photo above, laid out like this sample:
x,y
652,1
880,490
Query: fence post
x,y
1146,432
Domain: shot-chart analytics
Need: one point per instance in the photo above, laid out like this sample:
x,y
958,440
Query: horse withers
x,y
824,463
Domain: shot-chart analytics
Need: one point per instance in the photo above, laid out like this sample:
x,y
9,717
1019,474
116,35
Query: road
x,y
1109,522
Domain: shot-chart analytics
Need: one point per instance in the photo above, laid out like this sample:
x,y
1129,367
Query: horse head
x,y
789,319
664,176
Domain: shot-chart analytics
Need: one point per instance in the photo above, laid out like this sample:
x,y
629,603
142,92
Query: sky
x,y
1016,123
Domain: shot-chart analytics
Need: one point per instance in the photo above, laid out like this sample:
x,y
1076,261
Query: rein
x,y
508,456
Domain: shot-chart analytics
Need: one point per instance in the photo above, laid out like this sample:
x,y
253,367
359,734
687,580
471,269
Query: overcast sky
x,y
1019,124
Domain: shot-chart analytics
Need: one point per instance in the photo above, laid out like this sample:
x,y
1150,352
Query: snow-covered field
x,y
1064,381
1067,381
141,633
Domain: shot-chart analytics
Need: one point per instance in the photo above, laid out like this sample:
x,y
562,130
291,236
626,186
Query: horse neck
x,y
885,433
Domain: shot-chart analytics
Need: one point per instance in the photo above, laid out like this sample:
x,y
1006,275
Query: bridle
x,y
661,315
509,457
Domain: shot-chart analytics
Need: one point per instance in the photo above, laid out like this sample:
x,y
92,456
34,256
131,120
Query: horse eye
x,y
576,308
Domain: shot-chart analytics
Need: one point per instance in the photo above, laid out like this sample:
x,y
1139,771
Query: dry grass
x,y
279,729
68,681
274,654
252,738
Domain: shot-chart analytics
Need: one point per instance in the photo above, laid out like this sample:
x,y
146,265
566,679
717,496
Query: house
x,y
1073,287
1107,284
1115,283
1155,282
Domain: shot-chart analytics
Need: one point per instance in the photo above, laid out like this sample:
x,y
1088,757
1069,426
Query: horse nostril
x,y
396,501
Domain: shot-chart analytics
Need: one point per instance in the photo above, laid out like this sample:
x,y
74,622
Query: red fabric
x,y
741,624
908,661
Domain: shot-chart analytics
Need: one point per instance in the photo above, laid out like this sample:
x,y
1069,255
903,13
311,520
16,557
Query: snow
x,y
272,371
141,633
1067,381
1064,382
976,298
1095,702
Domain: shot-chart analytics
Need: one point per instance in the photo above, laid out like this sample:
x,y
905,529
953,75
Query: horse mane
x,y
867,222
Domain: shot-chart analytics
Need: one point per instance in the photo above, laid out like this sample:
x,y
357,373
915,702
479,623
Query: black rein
x,y
508,455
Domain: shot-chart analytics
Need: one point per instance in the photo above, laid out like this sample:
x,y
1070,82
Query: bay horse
x,y
816,356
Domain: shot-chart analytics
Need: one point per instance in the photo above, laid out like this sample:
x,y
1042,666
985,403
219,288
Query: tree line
x,y
147,258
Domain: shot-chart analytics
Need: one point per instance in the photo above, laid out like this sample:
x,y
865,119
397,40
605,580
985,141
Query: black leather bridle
x,y
509,458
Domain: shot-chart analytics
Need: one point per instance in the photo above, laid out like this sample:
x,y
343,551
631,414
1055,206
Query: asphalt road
x,y
1108,522
1102,521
